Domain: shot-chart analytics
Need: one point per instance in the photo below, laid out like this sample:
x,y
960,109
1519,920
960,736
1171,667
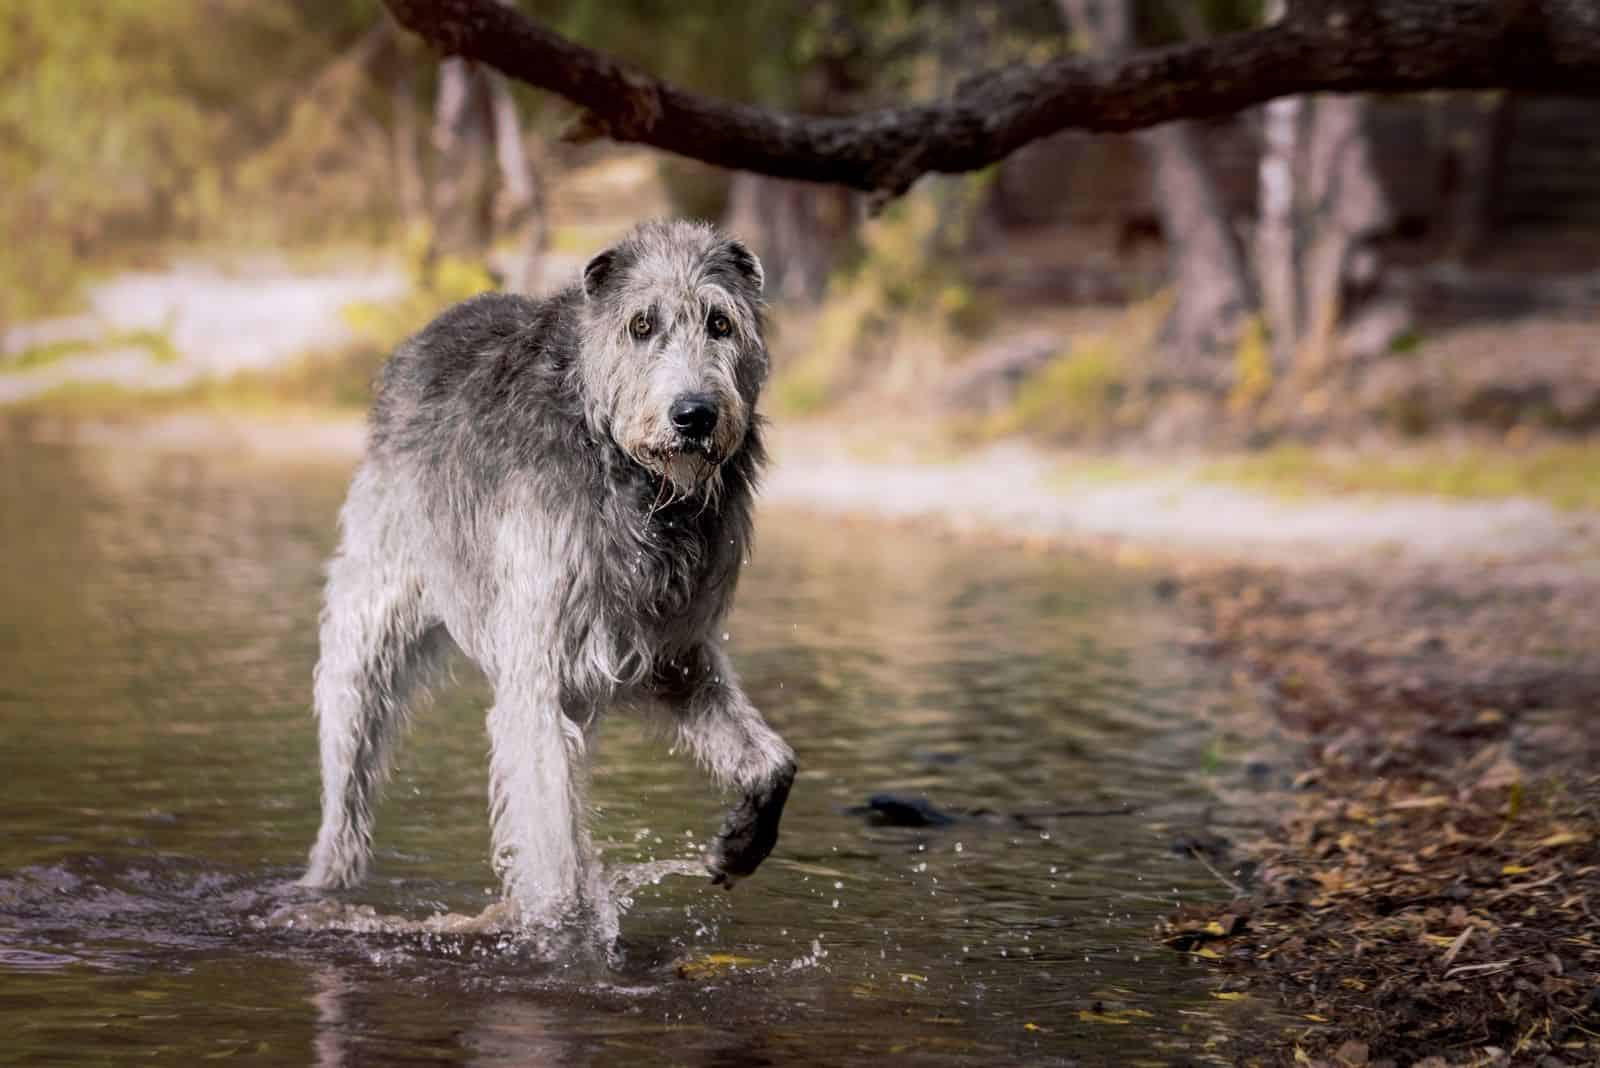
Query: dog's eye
x,y
719,325
641,326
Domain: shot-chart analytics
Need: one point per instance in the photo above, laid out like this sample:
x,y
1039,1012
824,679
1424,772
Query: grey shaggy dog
x,y
563,487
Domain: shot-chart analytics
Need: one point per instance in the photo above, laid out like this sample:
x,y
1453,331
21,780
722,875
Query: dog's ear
x,y
596,271
744,261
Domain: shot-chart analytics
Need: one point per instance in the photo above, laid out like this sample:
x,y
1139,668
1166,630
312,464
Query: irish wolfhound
x,y
564,488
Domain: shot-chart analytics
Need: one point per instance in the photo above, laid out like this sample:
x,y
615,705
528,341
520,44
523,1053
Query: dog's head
x,y
673,355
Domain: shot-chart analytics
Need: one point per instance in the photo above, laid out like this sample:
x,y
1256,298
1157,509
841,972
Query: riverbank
x,y
1431,889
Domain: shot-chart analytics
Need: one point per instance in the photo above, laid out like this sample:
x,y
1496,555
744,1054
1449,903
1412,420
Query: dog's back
x,y
465,370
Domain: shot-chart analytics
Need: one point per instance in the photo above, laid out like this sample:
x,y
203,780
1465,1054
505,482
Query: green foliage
x,y
901,307
1566,475
1074,395
158,343
125,122
1252,366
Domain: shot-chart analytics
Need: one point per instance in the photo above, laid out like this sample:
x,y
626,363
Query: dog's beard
x,y
687,468
685,472
690,472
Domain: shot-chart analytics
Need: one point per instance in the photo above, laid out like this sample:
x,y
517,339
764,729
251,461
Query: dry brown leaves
x,y
1433,896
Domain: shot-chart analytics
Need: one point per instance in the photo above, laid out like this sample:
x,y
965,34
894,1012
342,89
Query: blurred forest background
x,y
1330,269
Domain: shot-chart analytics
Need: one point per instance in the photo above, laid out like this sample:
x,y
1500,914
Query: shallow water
x,y
157,627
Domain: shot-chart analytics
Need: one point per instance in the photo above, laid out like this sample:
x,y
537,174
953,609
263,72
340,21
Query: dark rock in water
x,y
940,757
1202,843
898,810
895,810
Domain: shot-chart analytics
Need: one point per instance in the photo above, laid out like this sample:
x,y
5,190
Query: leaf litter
x,y
1431,895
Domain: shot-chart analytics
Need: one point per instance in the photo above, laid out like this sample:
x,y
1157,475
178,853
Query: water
x,y
157,628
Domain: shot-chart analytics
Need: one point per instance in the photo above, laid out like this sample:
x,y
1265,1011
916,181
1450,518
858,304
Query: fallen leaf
x,y
711,964
1421,802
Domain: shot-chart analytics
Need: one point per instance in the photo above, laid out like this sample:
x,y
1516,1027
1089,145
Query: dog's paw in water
x,y
750,831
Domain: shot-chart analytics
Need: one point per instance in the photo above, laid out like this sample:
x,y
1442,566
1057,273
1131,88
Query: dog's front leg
x,y
537,775
716,722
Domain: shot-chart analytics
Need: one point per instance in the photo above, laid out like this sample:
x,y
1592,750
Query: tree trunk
x,y
1212,295
1477,142
411,188
801,229
1346,208
797,229
461,209
519,203
1276,248
1210,283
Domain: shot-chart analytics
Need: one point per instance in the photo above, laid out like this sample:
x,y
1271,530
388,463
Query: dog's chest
x,y
671,557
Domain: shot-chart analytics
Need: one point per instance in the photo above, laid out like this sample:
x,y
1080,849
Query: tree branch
x,y
1343,46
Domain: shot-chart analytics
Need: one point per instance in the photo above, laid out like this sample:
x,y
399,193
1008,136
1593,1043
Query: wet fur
x,y
524,493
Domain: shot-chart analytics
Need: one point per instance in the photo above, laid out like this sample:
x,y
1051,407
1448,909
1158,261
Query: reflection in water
x,y
157,622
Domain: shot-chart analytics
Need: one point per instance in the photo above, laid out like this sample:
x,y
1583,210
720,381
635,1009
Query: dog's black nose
x,y
694,415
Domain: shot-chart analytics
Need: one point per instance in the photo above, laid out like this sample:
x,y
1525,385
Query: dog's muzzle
x,y
694,417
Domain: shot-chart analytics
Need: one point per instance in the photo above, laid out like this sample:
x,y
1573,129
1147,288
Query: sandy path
x,y
219,322
1021,492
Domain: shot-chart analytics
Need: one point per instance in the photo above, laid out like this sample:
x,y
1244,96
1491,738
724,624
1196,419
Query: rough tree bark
x,y
1320,46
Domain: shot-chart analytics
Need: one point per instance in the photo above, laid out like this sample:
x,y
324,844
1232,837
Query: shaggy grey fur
x,y
564,488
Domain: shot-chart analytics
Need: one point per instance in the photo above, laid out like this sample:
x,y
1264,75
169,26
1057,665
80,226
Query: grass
x,y
1564,474
1076,393
157,342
